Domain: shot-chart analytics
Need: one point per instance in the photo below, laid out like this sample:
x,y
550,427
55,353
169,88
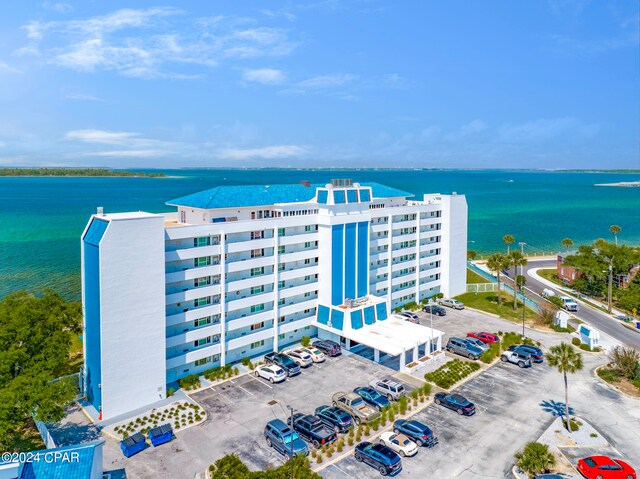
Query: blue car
x,y
284,439
421,434
372,397
457,403
384,459
335,417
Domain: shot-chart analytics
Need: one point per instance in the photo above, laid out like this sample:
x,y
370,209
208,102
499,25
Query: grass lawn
x,y
473,278
488,302
27,438
551,275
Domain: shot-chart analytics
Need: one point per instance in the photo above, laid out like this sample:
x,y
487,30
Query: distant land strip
x,y
622,184
75,172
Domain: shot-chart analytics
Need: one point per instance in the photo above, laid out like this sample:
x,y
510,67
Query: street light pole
x,y
610,284
291,455
522,245
523,307
431,321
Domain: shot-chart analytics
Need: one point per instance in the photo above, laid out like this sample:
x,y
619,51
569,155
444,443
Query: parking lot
x,y
237,413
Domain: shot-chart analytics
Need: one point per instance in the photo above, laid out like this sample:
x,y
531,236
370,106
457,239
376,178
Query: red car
x,y
603,467
487,338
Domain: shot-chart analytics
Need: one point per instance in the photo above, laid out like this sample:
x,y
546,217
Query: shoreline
x,y
621,184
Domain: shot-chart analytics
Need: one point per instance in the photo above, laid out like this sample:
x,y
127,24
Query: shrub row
x,y
451,372
190,382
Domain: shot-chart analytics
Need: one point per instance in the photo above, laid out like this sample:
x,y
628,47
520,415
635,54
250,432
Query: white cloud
x,y
102,136
127,153
82,97
267,152
151,43
8,69
267,76
59,7
326,81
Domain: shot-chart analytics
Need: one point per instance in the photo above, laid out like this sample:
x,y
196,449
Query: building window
x,y
257,235
308,244
307,294
281,302
257,326
280,266
257,344
281,319
282,249
202,342
257,271
202,261
281,284
257,307
281,231
203,241
202,321
307,228
202,301
203,361
257,253
205,280
257,289
307,278
307,261
280,336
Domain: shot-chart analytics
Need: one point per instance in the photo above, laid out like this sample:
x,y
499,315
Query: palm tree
x,y
567,360
535,458
567,243
508,239
615,229
497,262
516,259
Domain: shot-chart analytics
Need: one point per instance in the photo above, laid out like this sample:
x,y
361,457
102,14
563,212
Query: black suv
x,y
435,309
330,348
335,417
312,429
284,361
536,353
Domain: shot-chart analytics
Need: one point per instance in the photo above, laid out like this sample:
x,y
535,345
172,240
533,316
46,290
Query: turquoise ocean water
x,y
41,219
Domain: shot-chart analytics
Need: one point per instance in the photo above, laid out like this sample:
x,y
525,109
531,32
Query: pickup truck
x,y
312,429
569,303
284,361
354,405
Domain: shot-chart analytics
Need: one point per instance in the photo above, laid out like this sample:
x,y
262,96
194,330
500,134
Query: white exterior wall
x,y
132,313
454,245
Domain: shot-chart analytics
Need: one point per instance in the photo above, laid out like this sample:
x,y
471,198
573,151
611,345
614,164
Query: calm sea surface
x,y
41,219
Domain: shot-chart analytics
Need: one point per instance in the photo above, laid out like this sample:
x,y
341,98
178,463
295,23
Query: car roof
x,y
279,425
401,437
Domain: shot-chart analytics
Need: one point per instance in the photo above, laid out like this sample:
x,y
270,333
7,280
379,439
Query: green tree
x,y
496,263
35,340
566,360
508,240
471,255
567,243
305,341
516,259
615,229
625,360
535,458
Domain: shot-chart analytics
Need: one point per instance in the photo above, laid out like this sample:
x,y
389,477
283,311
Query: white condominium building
x,y
239,271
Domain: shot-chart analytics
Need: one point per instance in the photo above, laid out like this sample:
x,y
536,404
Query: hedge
x,y
452,372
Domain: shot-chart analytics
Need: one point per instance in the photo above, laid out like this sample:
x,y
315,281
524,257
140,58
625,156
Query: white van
x,y
569,303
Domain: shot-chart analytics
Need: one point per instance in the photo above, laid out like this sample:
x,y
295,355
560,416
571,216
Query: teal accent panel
x,y
356,319
337,264
91,286
323,314
337,319
95,232
369,315
338,197
352,196
322,196
363,259
365,197
350,261
381,311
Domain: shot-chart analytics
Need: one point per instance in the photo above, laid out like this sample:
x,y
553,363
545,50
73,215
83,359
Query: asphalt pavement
x,y
589,315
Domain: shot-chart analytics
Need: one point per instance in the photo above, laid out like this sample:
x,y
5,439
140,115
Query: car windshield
x,y
279,371
356,402
373,393
459,399
386,452
288,439
590,462
287,361
400,389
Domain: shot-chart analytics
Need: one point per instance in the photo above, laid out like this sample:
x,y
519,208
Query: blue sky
x,y
522,84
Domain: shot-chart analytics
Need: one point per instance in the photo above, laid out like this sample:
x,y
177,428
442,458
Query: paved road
x,y
589,315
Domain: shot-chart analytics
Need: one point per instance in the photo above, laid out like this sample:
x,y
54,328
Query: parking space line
x,y
263,382
342,471
248,392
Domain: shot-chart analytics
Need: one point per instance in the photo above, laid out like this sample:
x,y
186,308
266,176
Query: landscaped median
x,y
623,371
404,408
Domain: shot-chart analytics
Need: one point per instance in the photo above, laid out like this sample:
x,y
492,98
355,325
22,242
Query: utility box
x,y
561,319
589,336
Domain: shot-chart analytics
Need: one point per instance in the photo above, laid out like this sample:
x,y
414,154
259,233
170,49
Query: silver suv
x,y
390,389
463,348
451,303
523,360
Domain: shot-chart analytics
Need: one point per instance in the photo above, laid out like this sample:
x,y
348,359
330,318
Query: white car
x,y
271,372
569,304
399,443
316,355
301,357
451,303
407,316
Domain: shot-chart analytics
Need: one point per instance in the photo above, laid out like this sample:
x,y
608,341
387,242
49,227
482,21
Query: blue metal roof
x,y
95,232
264,195
71,462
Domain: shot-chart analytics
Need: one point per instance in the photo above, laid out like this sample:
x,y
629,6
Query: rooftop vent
x,y
342,182
100,211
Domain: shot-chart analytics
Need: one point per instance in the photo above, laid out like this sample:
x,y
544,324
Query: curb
x,y
594,373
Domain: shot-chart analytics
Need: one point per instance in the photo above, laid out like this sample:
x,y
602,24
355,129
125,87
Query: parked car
x,y
328,347
372,397
379,456
301,357
477,343
415,430
604,467
485,337
335,417
550,476
316,355
271,372
405,315
399,443
457,403
284,361
354,405
523,360
536,353
388,388
435,309
312,429
451,303
547,293
463,348
569,304
284,439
